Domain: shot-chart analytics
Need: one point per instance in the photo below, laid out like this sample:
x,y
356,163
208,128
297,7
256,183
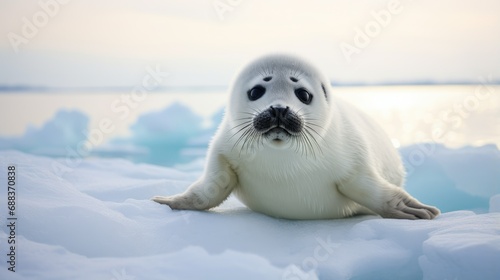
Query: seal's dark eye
x,y
256,92
303,95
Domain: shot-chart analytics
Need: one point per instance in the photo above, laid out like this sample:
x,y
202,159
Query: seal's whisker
x,y
243,135
313,130
254,139
246,119
306,116
248,113
256,112
309,142
314,124
248,141
262,72
241,129
242,123
298,112
296,143
314,139
311,121
303,145
300,74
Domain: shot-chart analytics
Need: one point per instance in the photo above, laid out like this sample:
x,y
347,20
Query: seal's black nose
x,y
279,112
278,117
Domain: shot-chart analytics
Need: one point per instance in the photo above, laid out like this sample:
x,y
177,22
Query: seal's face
x,y
279,104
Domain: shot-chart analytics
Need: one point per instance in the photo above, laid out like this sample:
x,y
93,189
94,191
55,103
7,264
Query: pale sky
x,y
111,42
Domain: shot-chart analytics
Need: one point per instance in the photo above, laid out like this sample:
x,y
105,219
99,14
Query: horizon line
x,y
29,88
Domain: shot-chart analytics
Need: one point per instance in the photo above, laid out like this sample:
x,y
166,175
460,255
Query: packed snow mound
x,y
95,221
452,179
166,137
171,127
65,129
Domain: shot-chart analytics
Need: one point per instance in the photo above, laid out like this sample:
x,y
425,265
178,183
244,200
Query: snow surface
x,y
95,221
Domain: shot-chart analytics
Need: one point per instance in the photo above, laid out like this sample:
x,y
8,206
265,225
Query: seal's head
x,y
279,101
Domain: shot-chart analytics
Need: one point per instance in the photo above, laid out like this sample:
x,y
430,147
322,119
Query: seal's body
x,y
288,148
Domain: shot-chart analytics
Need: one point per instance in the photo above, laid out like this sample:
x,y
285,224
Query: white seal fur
x,y
289,148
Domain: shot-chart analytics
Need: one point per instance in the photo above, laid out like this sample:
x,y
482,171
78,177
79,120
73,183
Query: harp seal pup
x,y
289,148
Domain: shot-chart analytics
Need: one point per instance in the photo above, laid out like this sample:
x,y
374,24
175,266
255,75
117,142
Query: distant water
x,y
453,115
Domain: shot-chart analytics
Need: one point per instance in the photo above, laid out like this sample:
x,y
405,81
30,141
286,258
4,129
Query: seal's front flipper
x,y
180,202
404,206
214,186
385,199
